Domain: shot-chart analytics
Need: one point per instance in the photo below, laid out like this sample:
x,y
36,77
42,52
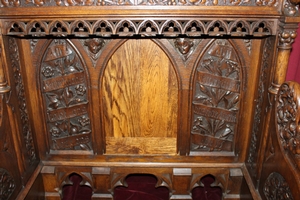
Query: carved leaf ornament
x,y
277,188
7,184
65,97
288,117
216,98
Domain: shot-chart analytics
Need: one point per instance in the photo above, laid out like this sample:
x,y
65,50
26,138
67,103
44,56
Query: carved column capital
x,y
286,39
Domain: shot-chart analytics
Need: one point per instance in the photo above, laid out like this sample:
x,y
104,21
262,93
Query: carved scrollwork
x,y
145,27
216,98
65,97
7,184
288,118
277,188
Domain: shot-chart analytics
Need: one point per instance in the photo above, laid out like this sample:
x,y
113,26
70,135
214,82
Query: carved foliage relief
x,y
262,88
216,98
26,127
7,184
64,89
277,188
288,117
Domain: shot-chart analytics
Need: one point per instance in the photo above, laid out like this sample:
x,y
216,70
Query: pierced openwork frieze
x,y
216,98
288,118
27,3
7,184
19,86
144,27
64,89
277,188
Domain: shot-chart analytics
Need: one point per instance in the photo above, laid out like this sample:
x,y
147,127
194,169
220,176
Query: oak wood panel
x,y
140,95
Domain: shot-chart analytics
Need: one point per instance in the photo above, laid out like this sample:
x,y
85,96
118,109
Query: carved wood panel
x,y
64,87
10,178
216,98
140,100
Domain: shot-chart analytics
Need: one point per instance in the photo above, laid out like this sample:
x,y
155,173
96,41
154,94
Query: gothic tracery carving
x,y
145,27
65,97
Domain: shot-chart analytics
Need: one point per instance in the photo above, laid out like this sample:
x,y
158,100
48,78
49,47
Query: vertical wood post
x,y
4,88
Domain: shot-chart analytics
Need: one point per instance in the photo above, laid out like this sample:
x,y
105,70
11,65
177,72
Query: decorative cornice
x,y
144,27
39,3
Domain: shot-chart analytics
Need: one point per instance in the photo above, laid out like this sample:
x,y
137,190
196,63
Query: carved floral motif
x,y
7,184
26,127
288,117
216,98
277,188
65,97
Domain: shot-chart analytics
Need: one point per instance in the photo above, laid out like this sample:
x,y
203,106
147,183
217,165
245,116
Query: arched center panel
x,y
140,100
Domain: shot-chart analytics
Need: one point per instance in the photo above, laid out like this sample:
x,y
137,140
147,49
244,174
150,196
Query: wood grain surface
x,y
140,96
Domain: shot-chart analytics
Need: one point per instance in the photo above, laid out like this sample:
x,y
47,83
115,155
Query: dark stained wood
x,y
179,90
